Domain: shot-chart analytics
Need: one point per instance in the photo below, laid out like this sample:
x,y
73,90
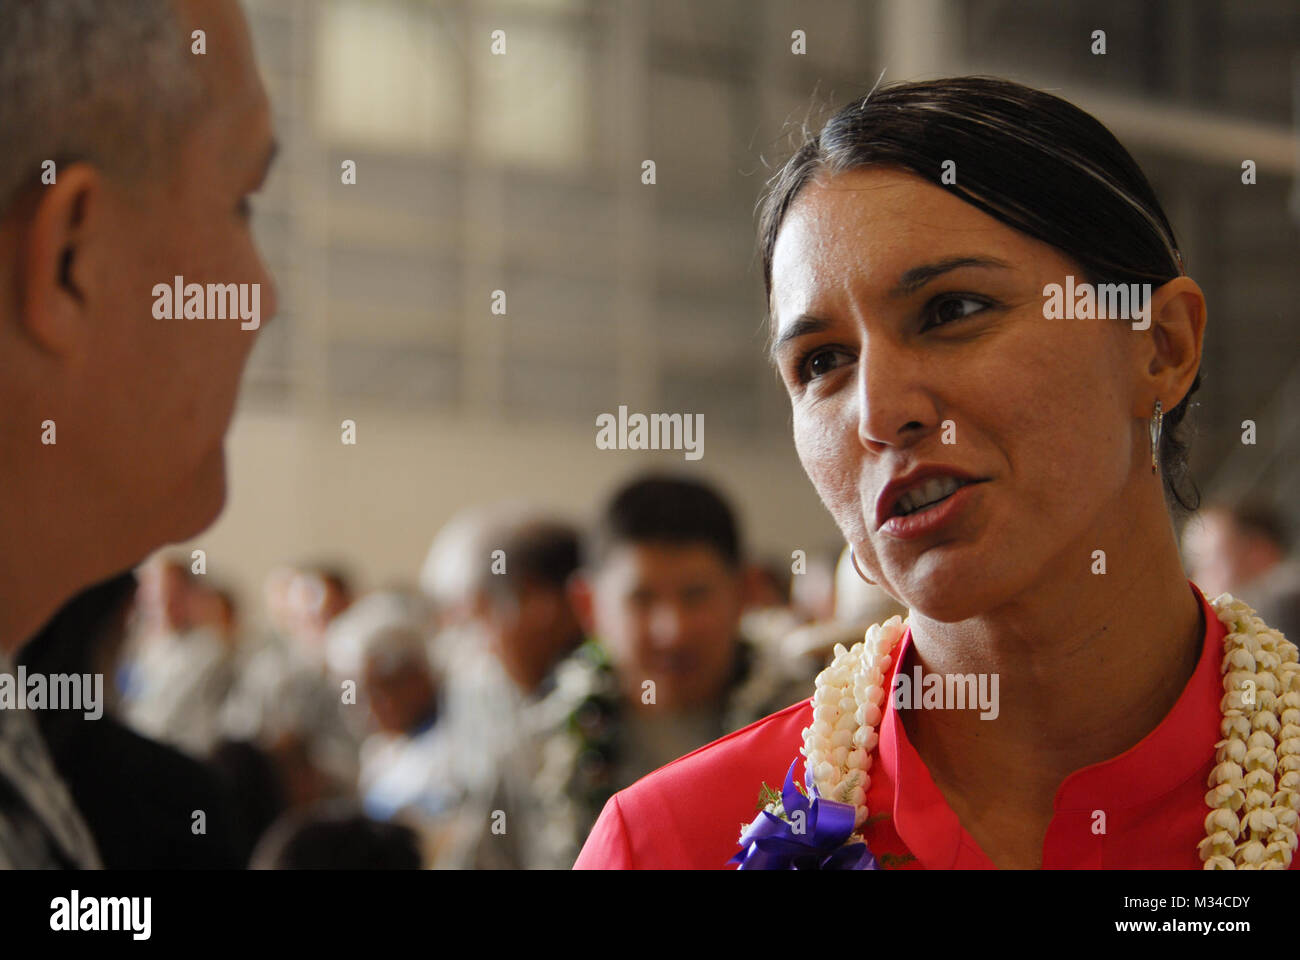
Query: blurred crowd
x,y
1244,546
478,716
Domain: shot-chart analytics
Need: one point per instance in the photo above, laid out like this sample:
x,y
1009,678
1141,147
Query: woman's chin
x,y
947,588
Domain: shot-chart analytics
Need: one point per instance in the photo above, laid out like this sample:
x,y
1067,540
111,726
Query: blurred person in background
x,y
316,595
334,837
660,595
768,614
857,605
471,563
264,662
277,596
812,593
139,797
216,608
253,782
184,661
1244,548
526,614
163,598
530,627
766,585
112,422
286,700
499,575
452,578
413,767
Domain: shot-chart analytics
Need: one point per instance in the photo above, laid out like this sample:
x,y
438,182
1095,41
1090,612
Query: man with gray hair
x,y
131,134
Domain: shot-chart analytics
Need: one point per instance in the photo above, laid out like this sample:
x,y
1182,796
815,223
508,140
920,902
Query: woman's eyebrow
x,y
917,277
801,327
911,281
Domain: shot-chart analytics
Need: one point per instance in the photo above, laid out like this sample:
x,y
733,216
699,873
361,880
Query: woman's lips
x,y
914,479
933,517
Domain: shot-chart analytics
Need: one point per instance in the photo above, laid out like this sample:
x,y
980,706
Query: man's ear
x,y
582,599
54,261
1177,334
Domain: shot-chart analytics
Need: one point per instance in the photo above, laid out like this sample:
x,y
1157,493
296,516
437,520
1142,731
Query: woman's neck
x,y
1087,666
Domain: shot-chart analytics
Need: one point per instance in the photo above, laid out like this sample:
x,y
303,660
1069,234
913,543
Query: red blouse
x,y
688,814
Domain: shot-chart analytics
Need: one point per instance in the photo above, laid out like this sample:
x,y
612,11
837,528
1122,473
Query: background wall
x,y
297,492
522,173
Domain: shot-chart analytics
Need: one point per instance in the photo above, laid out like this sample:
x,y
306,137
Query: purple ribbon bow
x,y
770,843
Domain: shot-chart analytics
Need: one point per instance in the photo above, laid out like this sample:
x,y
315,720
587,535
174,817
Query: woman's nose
x,y
894,398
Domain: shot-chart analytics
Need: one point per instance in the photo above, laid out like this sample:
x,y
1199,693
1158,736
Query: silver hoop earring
x,y
1157,422
856,569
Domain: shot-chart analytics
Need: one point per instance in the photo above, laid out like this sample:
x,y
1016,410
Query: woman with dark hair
x,y
1061,694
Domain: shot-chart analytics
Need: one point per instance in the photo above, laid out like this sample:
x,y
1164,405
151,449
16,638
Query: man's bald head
x,y
113,84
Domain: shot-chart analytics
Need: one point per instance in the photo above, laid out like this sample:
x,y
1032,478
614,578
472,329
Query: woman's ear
x,y
1172,355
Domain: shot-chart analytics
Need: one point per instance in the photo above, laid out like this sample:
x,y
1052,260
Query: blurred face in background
x,y
401,694
213,609
277,590
164,598
530,630
763,588
668,613
1221,557
312,602
812,593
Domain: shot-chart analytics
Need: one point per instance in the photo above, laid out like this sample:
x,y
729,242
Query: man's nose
x,y
666,625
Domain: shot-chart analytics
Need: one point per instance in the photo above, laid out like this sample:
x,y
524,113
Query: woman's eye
x,y
246,207
821,362
947,309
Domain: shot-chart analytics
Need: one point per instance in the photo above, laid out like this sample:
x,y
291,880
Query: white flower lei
x,y
1255,784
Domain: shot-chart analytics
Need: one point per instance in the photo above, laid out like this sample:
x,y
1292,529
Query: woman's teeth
x,y
933,490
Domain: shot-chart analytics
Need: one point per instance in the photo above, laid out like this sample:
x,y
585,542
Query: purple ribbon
x,y
770,843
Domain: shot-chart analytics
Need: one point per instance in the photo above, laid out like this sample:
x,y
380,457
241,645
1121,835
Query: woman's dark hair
x,y
1029,159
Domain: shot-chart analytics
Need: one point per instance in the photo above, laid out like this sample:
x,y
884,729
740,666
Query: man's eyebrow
x,y
917,277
